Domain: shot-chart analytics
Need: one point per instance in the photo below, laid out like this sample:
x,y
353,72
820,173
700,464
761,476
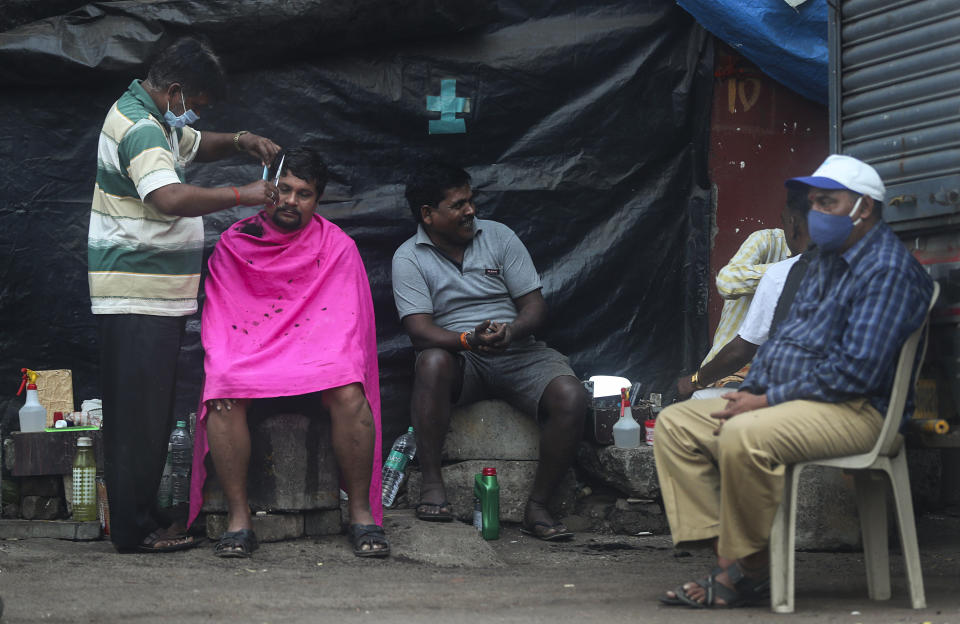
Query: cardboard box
x,y
55,391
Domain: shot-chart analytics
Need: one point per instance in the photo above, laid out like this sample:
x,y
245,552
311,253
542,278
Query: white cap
x,y
847,173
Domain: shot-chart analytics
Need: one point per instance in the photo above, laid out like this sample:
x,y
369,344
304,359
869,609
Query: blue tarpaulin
x,y
788,44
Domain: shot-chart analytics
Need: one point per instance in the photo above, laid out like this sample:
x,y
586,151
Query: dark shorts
x,y
519,376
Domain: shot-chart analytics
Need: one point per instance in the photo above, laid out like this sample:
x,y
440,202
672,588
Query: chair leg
x,y
871,505
900,480
782,542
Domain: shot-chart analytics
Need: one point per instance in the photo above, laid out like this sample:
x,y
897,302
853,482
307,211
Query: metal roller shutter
x,y
895,101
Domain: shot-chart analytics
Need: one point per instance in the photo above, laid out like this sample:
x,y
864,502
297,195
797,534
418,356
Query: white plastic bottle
x,y
33,416
404,449
626,431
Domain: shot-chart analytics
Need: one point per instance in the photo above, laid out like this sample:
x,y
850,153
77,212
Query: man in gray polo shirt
x,y
469,297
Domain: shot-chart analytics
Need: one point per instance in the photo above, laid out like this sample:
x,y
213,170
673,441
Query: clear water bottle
x,y
181,461
165,491
404,449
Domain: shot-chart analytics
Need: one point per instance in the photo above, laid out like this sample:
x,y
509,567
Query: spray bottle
x,y
33,416
626,431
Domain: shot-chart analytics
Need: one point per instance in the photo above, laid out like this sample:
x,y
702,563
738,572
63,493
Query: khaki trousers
x,y
728,486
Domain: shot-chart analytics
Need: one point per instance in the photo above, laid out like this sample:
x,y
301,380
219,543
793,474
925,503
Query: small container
x,y
84,482
33,416
486,501
648,425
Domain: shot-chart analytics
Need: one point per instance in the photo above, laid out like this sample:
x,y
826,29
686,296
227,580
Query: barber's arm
x,y
732,357
188,200
218,145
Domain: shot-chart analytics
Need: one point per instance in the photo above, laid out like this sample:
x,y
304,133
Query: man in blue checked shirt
x,y
818,387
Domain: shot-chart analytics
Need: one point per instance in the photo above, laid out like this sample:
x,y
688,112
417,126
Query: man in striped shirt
x,y
145,250
818,387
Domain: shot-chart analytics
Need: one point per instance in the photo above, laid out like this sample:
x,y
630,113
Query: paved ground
x,y
440,573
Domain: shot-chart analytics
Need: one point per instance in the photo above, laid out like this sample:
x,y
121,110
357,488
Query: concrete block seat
x,y
495,434
292,470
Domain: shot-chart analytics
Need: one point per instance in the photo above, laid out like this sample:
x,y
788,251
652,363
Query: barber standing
x,y
145,251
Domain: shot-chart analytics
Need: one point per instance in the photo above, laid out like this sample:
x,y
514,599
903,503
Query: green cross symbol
x,y
448,105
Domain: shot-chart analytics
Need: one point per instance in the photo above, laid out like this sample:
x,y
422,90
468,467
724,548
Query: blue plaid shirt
x,y
841,339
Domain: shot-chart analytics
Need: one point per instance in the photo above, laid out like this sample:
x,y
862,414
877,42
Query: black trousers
x,y
138,372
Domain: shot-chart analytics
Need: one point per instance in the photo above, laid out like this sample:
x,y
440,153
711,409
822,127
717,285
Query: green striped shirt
x,y
141,261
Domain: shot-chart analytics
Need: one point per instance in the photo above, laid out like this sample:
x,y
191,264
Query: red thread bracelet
x,y
236,194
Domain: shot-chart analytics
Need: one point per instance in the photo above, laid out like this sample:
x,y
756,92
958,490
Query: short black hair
x,y
192,62
303,162
797,201
429,183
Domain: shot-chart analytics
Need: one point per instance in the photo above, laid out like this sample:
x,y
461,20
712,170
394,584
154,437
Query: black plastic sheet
x,y
586,131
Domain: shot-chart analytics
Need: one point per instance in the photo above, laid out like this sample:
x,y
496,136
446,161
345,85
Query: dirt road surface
x,y
441,573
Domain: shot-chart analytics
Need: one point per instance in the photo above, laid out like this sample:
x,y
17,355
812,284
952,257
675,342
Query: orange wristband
x,y
236,194
464,342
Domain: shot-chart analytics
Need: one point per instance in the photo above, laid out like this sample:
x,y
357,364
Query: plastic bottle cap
x,y
410,430
57,416
181,423
31,386
489,472
84,441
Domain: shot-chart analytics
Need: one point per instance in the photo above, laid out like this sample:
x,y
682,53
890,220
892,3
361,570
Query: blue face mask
x,y
830,231
178,121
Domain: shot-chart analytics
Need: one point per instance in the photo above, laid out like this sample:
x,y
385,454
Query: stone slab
x,y
57,529
515,479
632,472
442,544
488,430
268,527
42,507
322,522
292,466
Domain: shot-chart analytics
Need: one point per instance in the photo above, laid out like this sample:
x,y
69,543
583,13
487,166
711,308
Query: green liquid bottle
x,y
486,497
84,482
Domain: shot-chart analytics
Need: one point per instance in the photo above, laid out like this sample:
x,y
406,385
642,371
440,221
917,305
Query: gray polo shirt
x,y
496,270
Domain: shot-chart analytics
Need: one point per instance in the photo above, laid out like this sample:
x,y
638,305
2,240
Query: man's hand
x,y
221,404
685,387
491,337
738,403
257,193
259,147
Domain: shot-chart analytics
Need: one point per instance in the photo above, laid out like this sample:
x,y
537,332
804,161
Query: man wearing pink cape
x,y
288,313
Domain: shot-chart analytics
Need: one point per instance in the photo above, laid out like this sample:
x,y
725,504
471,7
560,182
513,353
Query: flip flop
x,y
150,542
546,531
370,535
439,516
236,544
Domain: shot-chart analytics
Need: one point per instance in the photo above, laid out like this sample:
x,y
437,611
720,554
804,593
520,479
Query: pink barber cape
x,y
286,313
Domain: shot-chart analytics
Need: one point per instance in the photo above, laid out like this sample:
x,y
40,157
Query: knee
x,y
565,400
346,399
435,366
734,438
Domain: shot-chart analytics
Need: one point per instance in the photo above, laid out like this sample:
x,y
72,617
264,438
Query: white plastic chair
x,y
887,456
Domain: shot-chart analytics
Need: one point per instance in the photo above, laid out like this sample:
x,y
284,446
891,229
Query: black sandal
x,y
369,535
236,544
746,592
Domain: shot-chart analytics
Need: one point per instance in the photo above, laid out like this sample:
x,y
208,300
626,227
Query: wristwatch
x,y
236,140
695,381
